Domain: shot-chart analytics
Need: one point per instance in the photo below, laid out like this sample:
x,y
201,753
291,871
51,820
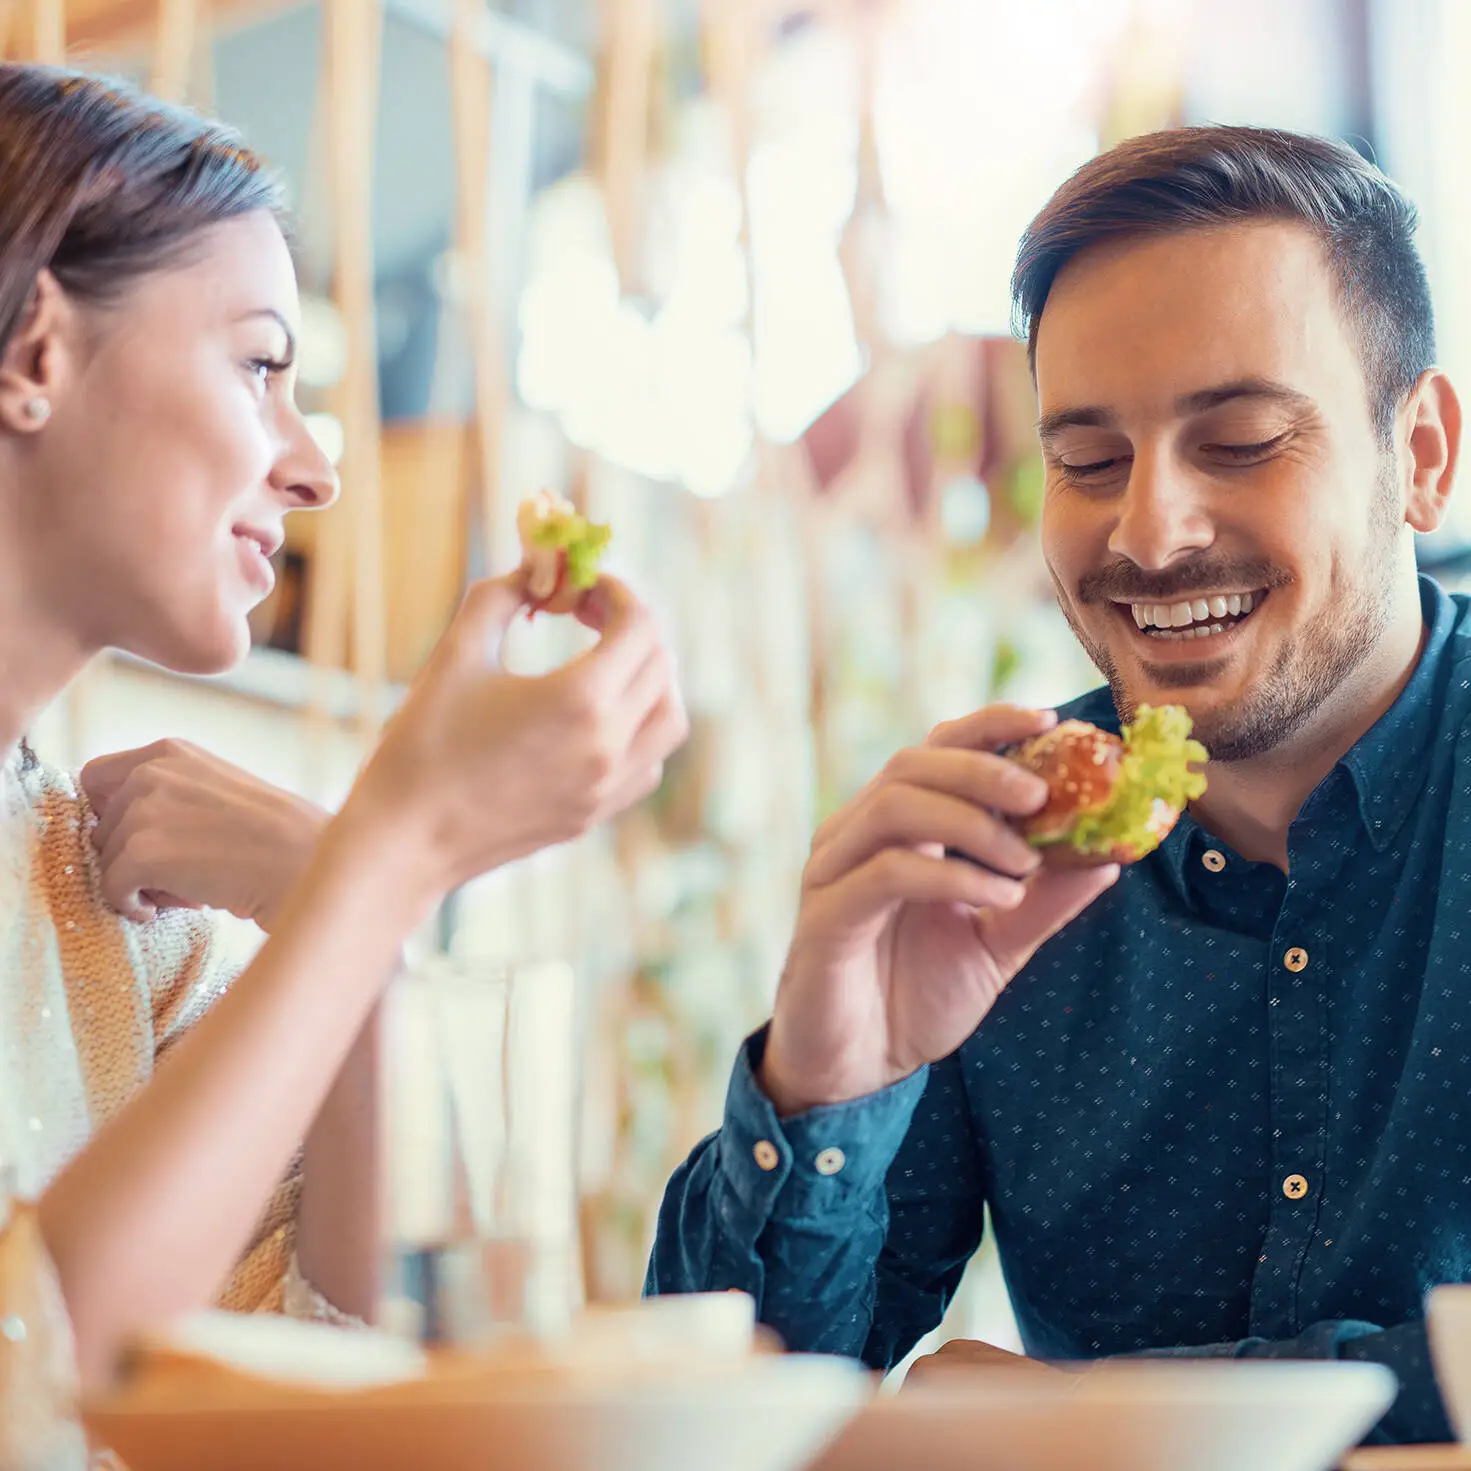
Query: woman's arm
x,y
338,1232
147,1221
477,769
219,837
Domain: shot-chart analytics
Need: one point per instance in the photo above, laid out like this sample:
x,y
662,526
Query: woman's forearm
x,y
337,1238
150,1217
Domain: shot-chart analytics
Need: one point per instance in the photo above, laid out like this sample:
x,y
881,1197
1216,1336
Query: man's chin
x,y
1198,687
1204,679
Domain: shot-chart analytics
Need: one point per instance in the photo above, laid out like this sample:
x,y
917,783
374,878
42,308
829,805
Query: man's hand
x,y
180,828
970,1356
900,951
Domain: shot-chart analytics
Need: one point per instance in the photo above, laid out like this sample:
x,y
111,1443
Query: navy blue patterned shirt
x,y
1227,1111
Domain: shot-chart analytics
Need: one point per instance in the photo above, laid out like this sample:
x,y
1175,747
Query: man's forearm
x,y
795,1212
813,1280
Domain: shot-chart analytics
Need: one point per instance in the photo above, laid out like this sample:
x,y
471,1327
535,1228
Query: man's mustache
x,y
1123,582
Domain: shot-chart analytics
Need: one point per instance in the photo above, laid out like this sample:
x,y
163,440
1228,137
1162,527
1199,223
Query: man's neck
x,y
1250,805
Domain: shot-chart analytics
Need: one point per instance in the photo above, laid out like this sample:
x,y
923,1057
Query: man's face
x,y
1224,529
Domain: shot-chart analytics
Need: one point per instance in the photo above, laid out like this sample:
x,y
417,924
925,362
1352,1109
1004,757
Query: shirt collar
x,y
1388,764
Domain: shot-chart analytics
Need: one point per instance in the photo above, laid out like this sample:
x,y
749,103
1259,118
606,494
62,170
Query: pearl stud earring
x,y
37,410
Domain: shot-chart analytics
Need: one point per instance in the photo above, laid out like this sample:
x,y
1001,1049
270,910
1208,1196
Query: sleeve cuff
x,y
827,1159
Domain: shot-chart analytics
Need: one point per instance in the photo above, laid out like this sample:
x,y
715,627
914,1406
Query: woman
x,y
149,450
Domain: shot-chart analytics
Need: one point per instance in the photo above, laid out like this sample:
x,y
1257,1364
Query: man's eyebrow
x,y
1095,416
280,321
1090,416
1265,388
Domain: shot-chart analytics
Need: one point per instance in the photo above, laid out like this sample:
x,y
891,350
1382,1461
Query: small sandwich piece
x,y
560,552
1111,800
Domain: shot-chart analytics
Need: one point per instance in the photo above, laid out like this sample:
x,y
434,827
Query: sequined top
x,y
88,1004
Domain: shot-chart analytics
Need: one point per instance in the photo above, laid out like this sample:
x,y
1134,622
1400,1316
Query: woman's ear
x,y
32,366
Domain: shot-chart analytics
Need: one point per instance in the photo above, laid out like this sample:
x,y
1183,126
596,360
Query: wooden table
x,y
1409,1458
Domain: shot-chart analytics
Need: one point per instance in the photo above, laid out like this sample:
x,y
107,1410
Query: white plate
x,y
769,1414
1198,1416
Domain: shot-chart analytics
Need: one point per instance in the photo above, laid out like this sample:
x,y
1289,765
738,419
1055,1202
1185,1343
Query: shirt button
x,y
830,1161
766,1155
1213,860
1296,959
1294,1187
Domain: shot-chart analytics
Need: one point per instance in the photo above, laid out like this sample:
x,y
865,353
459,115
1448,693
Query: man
x,y
1216,1104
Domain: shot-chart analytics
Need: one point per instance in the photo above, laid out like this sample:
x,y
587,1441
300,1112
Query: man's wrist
x,y
819,1164
790,1097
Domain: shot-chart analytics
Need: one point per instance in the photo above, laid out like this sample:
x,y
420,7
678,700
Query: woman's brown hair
x,y
100,184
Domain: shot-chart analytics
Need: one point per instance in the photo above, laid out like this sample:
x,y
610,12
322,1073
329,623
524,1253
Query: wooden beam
x,y
48,32
353,37
471,85
128,25
509,44
173,49
627,76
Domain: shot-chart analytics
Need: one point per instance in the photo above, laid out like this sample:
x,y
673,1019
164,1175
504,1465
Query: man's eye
x,y
1245,453
1092,469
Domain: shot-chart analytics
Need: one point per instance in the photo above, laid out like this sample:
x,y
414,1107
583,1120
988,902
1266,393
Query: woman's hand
x,y
179,828
481,767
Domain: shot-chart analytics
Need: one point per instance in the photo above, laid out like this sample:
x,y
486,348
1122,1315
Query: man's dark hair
x,y
1191,178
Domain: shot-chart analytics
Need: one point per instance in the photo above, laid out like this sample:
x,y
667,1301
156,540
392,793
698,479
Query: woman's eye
x,y
264,369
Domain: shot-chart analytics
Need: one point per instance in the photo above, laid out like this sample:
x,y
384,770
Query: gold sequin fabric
x,y
38,1376
90,1001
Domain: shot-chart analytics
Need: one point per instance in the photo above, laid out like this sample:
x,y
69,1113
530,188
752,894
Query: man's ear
x,y
1433,410
33,364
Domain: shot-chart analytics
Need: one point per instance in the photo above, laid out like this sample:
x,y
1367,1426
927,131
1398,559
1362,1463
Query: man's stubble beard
x,y
1310,666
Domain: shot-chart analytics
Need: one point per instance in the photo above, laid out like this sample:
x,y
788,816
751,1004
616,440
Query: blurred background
x,y
732,275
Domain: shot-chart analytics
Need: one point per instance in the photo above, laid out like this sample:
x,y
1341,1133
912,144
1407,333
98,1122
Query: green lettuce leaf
x,y
582,540
1156,766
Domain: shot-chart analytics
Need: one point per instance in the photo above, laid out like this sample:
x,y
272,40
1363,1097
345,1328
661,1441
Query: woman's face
x,y
156,490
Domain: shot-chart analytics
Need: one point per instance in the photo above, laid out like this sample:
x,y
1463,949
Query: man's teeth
x,y
1195,619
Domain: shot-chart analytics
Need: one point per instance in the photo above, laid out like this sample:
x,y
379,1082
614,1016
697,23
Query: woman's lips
x,y
255,564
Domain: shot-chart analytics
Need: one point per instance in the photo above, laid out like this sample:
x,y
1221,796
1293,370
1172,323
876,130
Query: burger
x,y
560,552
1111,798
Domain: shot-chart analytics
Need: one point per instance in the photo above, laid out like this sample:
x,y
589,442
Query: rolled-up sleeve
x,y
802,1214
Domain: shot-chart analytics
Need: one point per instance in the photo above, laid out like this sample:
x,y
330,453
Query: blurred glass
x,y
480,1153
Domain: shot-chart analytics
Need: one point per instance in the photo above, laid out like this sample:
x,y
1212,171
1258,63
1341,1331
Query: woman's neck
x,y
39,656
